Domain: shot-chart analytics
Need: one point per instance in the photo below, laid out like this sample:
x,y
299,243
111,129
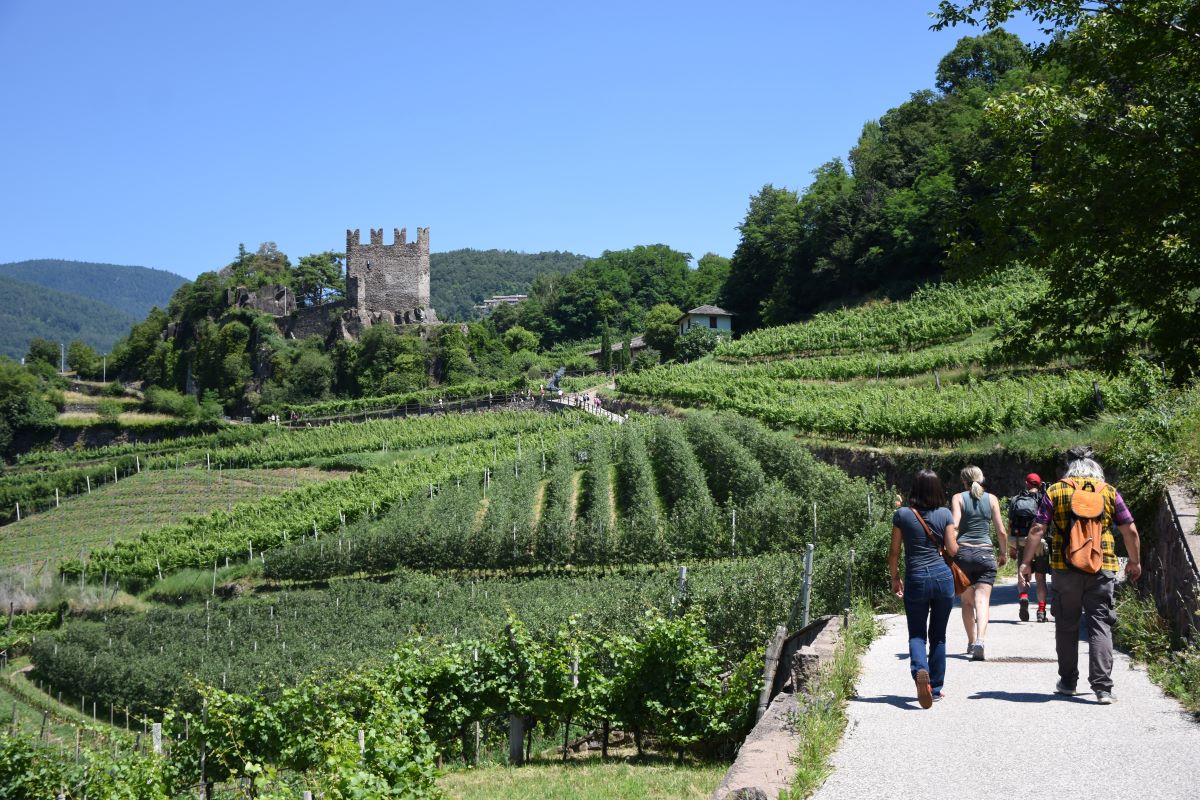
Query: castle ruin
x,y
388,282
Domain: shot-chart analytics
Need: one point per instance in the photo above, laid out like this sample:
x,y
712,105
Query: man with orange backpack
x,y
1081,511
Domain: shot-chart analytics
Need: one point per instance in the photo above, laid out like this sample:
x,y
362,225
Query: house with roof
x,y
706,316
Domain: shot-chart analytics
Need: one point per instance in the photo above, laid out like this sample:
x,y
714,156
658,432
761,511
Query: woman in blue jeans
x,y
928,587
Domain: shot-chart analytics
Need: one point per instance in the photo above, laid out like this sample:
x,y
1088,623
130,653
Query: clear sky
x,y
164,132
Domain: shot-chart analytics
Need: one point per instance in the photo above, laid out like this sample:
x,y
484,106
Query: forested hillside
x,y
30,311
459,280
133,290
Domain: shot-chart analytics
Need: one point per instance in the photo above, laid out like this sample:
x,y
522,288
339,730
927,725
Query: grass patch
x,y
823,721
1172,664
586,780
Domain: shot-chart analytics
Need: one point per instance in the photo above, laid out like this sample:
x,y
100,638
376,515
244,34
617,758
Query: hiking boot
x,y
1064,689
924,693
1024,612
1105,698
977,652
1041,615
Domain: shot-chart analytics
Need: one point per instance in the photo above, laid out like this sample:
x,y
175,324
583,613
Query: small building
x,y
490,304
718,319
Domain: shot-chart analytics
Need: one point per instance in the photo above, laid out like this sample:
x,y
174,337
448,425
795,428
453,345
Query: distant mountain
x,y
459,280
133,290
29,311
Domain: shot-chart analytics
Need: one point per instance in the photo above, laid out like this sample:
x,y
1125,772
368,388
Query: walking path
x,y
1002,732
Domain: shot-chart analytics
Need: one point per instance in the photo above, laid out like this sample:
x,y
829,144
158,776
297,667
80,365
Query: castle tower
x,y
389,277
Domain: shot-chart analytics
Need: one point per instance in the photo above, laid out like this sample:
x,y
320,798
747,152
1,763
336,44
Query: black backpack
x,y
1022,510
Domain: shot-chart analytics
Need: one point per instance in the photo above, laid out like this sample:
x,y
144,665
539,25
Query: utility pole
x,y
104,368
62,358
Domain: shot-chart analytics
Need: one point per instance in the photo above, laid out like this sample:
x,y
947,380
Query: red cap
x,y
1033,478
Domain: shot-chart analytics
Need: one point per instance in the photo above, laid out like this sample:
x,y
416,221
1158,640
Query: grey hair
x,y
1085,468
973,475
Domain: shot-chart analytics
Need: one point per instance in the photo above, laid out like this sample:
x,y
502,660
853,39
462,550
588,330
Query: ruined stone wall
x,y
312,321
389,277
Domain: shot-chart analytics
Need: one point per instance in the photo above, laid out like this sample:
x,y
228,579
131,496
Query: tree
x,y
662,329
318,277
22,407
980,61
518,338
44,351
697,343
606,359
706,280
83,359
1103,172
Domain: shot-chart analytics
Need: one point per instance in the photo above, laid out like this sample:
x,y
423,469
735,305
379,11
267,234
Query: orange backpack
x,y
1081,542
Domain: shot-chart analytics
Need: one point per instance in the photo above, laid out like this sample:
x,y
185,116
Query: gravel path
x,y
1002,732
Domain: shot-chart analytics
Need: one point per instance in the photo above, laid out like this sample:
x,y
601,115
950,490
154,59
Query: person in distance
x,y
1022,511
923,527
975,513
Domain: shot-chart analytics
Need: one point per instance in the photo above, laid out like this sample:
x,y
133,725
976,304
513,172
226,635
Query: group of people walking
x,y
1065,529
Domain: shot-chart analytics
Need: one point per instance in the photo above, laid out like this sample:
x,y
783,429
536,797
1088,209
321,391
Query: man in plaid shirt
x,y
1074,593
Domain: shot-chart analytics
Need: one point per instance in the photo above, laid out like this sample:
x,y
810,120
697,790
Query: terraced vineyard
x,y
143,502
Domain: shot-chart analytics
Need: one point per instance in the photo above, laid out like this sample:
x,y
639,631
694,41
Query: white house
x,y
706,317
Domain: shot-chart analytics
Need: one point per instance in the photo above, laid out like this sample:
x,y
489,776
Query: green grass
x,y
27,710
1172,664
586,780
137,504
823,722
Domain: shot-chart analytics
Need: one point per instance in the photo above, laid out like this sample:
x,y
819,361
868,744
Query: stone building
x,y
388,282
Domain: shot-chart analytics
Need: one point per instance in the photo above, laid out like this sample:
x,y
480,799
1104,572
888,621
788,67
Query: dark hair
x,y
927,490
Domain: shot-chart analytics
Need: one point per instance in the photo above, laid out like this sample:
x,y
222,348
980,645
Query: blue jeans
x,y
928,599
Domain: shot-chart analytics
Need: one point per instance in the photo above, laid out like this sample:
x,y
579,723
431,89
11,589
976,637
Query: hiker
x,y
924,525
1080,510
975,511
1022,511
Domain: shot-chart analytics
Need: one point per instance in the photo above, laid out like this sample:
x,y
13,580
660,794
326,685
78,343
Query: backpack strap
x,y
928,531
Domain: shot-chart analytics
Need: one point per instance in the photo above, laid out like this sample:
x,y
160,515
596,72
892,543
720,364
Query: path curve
x,y
1002,732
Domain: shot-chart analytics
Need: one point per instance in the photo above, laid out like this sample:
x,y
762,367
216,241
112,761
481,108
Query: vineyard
x,y
464,568
935,314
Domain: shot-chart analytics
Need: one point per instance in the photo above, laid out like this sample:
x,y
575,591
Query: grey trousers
x,y
1074,595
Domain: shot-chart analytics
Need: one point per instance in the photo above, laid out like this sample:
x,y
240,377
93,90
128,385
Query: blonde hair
x,y
973,475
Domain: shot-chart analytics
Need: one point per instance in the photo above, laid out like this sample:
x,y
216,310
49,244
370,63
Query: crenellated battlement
x,y
390,278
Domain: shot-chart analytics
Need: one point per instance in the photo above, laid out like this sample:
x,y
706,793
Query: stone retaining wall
x,y
1170,565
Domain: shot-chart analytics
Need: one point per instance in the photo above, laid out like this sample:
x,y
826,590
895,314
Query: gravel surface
x,y
1002,732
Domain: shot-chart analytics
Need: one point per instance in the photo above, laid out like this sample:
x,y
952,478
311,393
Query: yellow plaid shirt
x,y
1059,495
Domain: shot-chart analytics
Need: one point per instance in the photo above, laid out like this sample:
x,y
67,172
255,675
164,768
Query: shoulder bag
x,y
961,581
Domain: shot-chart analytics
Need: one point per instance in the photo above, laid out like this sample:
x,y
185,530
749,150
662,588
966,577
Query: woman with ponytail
x,y
975,512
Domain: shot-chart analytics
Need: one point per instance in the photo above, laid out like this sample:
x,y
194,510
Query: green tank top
x,y
976,520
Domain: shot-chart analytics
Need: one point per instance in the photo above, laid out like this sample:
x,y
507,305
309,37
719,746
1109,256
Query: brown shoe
x,y
924,693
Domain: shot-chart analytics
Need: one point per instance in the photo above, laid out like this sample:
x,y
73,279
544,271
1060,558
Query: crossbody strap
x,y
925,525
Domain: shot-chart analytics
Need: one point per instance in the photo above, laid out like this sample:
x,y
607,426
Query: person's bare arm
x,y
1001,532
951,538
1133,545
894,563
1031,546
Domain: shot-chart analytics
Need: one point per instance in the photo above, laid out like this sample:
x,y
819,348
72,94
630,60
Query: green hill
x,y
29,310
461,279
133,290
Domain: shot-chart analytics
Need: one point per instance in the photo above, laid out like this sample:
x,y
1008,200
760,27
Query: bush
x,y
109,411
169,401
114,389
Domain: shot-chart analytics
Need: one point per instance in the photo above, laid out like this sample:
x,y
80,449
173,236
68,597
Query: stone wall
x,y
312,320
389,277
1170,573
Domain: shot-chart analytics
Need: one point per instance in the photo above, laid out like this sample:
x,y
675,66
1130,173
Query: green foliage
x,y
517,338
1076,156
29,771
896,412
318,278
131,290
1173,664
22,407
934,314
169,401
461,279
661,329
31,311
109,411
43,351
699,342
83,359
706,281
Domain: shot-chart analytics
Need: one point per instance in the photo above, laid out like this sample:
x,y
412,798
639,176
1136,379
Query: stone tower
x,y
391,278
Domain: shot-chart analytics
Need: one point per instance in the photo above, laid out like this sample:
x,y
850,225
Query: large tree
x,y
1101,171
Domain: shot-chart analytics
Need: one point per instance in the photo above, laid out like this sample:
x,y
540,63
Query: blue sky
x,y
164,133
